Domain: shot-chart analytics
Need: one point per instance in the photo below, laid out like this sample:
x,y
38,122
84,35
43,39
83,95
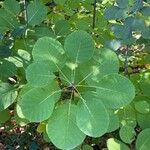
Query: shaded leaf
x,y
4,51
62,28
114,12
127,134
7,69
60,2
146,11
143,140
4,116
36,13
122,3
142,106
12,7
113,121
8,95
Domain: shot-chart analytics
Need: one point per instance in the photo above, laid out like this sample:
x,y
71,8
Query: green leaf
x,y
87,147
120,88
18,31
127,134
146,33
19,112
49,50
62,128
142,106
114,12
122,31
36,13
113,44
105,62
60,2
145,83
39,74
79,46
92,116
127,116
143,120
136,6
4,116
7,69
41,127
73,4
8,95
12,7
22,59
146,11
138,25
148,1
7,21
114,144
4,51
21,121
70,73
113,121
143,140
82,25
62,28
42,31
37,104
122,3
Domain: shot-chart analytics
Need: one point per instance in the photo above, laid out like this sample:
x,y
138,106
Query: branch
x,y
94,14
25,11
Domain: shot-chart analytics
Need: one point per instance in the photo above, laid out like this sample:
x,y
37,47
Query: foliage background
x,y
120,25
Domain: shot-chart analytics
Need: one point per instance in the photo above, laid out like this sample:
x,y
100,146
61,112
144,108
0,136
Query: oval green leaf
x,y
62,129
92,116
39,74
143,140
49,50
37,104
36,13
115,90
79,46
127,134
113,121
142,107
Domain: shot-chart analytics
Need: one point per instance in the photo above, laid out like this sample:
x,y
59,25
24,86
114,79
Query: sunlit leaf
x,y
79,46
114,144
37,104
50,50
69,136
92,116
39,74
